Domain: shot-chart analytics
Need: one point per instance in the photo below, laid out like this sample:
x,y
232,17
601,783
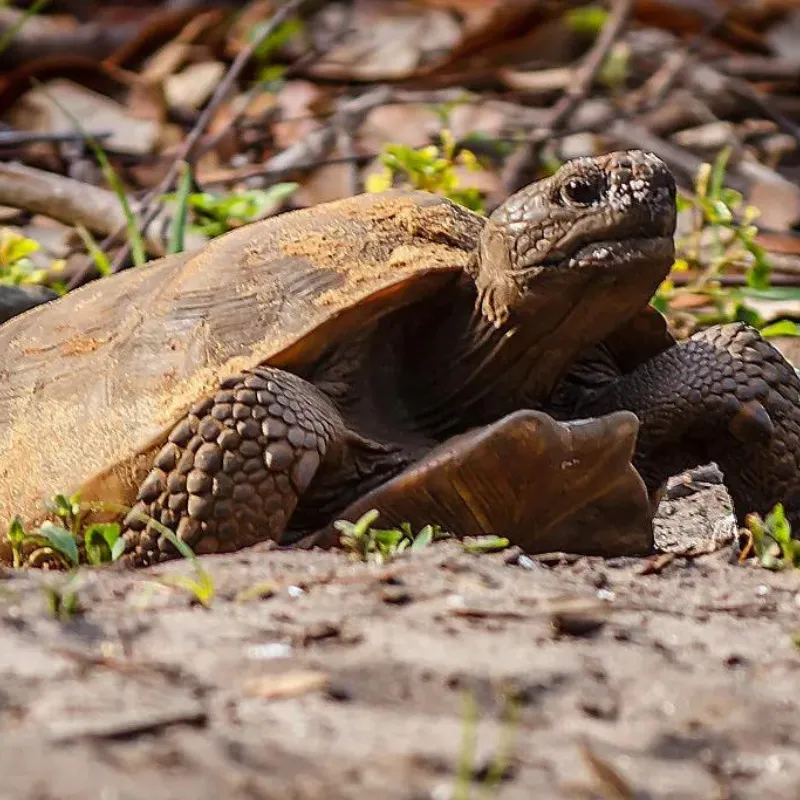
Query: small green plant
x,y
270,75
489,779
485,544
215,214
771,540
723,236
16,267
379,546
61,598
587,20
201,586
66,540
431,169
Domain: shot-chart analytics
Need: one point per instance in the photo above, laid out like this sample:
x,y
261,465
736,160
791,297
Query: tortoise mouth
x,y
617,254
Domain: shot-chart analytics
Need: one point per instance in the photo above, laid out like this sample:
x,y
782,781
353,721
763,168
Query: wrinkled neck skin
x,y
468,371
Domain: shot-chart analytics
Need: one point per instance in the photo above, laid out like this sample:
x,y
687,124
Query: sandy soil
x,y
671,677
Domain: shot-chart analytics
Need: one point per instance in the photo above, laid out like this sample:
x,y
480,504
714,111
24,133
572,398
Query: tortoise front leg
x,y
545,485
725,395
232,470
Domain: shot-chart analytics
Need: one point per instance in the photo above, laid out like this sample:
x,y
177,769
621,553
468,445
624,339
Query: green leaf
x,y
61,540
271,77
781,293
731,198
179,544
743,313
485,544
16,247
720,213
587,20
423,538
358,529
16,531
118,549
277,39
101,540
718,173
16,536
783,327
201,587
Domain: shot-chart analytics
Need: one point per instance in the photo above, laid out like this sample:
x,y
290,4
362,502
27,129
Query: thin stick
x,y
583,78
187,150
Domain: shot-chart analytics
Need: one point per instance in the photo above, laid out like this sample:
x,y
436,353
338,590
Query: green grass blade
x,y
466,756
98,256
505,748
134,234
31,11
135,238
178,231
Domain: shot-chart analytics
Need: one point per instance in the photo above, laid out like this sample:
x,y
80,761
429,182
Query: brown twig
x,y
186,152
64,199
9,139
316,145
583,78
228,176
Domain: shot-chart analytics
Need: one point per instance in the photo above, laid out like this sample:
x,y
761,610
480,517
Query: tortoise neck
x,y
470,373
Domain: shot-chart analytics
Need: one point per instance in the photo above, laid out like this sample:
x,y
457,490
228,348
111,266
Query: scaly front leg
x,y
724,395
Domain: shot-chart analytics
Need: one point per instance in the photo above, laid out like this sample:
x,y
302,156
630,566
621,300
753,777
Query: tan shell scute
x,y
91,383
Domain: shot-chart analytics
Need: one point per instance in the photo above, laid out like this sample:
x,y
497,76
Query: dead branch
x,y
66,200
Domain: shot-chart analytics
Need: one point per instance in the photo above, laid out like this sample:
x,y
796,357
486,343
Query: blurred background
x,y
128,130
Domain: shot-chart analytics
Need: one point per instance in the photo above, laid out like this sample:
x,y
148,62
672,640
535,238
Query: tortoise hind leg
x,y
543,484
232,470
724,395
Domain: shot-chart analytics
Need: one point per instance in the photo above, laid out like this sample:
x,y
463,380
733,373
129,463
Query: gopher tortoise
x,y
398,352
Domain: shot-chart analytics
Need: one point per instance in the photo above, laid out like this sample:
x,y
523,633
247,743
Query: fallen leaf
x,y
291,684
192,87
39,110
384,41
409,124
324,184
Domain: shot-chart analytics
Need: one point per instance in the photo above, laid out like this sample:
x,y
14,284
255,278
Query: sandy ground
x,y
671,677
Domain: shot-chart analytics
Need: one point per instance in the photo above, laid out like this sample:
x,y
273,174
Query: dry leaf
x,y
36,111
384,41
409,124
290,684
191,88
326,183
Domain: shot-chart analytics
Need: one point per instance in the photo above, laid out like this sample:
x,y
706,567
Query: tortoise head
x,y
598,223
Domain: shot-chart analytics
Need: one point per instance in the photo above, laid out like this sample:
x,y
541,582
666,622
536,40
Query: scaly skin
x,y
724,395
559,266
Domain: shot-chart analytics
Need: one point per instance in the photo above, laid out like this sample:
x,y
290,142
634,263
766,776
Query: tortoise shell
x,y
91,384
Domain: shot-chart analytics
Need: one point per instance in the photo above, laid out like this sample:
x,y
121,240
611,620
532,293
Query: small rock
x,y
396,596
579,617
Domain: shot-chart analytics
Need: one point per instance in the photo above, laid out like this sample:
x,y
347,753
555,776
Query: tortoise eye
x,y
582,191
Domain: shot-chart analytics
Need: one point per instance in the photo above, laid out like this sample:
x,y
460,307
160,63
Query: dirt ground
x,y
349,681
